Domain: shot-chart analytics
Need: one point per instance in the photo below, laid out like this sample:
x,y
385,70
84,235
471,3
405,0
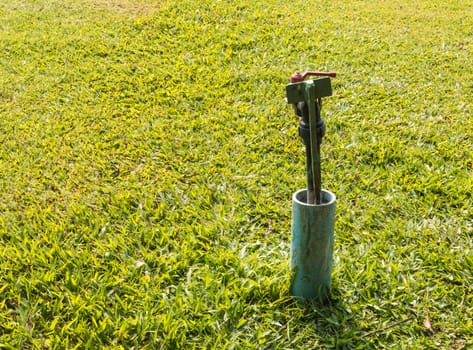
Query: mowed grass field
x,y
148,159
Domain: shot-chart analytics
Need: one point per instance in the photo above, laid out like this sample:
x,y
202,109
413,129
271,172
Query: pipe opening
x,y
301,197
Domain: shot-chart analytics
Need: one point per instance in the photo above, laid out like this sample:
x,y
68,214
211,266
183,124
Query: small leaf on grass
x,y
428,325
139,264
53,324
241,323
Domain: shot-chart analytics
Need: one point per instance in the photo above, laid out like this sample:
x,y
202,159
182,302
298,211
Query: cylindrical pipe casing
x,y
312,237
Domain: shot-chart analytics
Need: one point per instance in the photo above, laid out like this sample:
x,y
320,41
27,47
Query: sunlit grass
x,y
148,159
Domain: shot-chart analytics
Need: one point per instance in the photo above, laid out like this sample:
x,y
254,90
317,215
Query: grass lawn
x,y
148,159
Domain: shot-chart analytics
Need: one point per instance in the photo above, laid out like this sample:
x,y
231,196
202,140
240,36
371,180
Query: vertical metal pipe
x,y
314,143
312,237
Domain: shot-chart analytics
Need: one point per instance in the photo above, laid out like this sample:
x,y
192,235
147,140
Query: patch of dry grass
x,y
129,8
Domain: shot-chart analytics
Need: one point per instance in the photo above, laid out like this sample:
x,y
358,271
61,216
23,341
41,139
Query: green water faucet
x,y
306,97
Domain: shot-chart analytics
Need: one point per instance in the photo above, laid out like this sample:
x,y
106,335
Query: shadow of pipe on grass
x,y
329,324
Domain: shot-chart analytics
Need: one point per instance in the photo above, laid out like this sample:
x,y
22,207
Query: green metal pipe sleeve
x,y
312,245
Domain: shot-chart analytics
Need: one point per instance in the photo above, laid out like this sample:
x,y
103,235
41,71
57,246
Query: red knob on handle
x,y
298,77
